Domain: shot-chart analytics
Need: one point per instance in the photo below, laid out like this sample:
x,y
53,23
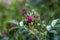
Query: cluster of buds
x,y
31,20
30,16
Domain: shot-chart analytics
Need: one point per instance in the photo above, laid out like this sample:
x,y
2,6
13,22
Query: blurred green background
x,y
48,10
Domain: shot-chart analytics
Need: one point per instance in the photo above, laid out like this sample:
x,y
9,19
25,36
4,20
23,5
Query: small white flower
x,y
21,23
48,27
54,22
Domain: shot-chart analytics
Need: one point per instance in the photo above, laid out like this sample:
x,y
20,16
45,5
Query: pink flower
x,y
13,25
29,19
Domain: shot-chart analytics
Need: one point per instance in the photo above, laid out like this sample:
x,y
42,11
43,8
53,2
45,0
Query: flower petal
x,y
21,23
54,22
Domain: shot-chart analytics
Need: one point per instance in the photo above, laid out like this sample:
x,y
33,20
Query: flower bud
x,y
13,25
29,19
24,11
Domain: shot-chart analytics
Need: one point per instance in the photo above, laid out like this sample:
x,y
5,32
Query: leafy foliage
x,y
29,19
